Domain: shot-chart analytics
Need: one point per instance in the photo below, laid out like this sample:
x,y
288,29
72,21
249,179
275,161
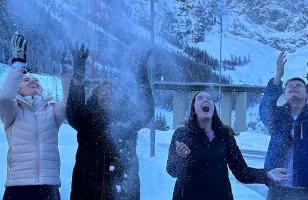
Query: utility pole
x,y
152,69
220,57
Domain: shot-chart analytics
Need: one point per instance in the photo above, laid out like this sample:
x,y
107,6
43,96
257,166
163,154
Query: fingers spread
x,y
14,39
86,52
18,42
82,47
181,147
24,45
282,170
284,62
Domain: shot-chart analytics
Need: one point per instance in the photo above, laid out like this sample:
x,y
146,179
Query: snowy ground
x,y
156,184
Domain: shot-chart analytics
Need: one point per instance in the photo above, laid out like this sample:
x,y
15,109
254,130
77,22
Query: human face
x,y
204,106
30,86
295,90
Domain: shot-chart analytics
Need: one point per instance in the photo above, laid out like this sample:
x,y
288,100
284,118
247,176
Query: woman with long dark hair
x,y
201,152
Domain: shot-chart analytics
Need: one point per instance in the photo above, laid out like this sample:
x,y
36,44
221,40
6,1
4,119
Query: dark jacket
x,y
93,174
125,131
279,122
94,126
204,173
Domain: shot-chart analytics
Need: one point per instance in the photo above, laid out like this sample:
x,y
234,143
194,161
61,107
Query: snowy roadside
x,y
156,184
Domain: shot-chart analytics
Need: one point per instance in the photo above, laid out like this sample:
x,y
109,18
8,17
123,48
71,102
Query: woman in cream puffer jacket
x,y
31,123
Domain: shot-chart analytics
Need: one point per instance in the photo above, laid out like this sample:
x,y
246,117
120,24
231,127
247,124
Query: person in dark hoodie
x,y
106,161
201,152
128,119
97,165
288,128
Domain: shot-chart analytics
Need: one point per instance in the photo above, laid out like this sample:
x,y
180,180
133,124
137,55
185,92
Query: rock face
x,y
281,24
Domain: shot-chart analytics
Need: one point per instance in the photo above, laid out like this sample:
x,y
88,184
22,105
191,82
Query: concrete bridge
x,y
183,93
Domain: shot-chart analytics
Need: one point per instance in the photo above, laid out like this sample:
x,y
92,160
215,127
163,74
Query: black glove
x,y
80,55
19,49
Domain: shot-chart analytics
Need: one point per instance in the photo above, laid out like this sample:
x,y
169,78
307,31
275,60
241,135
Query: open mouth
x,y
205,108
33,86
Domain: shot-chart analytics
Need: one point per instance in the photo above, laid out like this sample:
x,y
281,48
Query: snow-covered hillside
x,y
263,58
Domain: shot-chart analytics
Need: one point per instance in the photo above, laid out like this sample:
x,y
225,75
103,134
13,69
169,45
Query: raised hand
x,y
181,149
19,49
280,63
80,55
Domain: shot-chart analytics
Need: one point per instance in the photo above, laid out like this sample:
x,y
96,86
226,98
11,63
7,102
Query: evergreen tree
x,y
6,31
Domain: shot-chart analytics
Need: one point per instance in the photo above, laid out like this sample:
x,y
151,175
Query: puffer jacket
x,y
31,126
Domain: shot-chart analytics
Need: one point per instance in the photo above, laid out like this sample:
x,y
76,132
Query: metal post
x,y
220,62
152,130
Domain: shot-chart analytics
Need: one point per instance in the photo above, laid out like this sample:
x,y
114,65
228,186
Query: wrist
x,y
22,60
268,175
277,80
20,66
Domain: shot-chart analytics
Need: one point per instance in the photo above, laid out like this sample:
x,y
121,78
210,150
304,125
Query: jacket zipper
x,y
38,148
302,132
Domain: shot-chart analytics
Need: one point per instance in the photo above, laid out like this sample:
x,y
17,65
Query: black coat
x,y
132,117
94,129
125,134
93,174
204,173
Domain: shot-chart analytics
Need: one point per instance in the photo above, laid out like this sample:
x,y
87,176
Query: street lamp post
x,y
152,69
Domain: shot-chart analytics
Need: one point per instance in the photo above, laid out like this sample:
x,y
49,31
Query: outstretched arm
x,y
246,174
145,96
9,89
239,168
268,108
75,106
143,110
66,76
